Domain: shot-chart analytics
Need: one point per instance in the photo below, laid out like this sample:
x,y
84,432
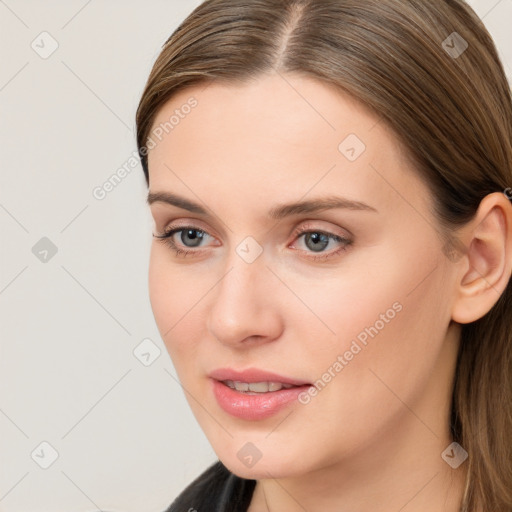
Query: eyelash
x,y
166,238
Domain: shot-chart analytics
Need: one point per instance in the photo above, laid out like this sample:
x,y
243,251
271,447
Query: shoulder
x,y
215,490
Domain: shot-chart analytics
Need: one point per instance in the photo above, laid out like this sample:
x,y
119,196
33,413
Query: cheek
x,y
177,298
168,295
388,312
387,291
389,334
366,293
161,288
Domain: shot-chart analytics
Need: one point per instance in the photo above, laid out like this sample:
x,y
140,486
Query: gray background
x,y
71,323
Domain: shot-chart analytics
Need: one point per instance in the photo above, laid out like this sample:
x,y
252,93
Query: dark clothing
x,y
215,490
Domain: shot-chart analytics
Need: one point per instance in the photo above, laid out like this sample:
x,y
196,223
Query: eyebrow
x,y
278,212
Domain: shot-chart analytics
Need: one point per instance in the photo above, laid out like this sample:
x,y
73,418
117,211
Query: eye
x,y
317,240
189,235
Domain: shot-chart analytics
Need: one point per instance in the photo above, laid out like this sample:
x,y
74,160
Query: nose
x,y
245,308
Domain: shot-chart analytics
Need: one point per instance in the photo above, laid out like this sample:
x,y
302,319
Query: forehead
x,y
292,107
278,134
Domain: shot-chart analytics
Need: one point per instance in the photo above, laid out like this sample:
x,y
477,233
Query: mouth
x,y
255,394
256,388
254,376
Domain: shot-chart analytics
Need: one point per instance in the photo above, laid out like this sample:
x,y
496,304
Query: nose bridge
x,y
241,306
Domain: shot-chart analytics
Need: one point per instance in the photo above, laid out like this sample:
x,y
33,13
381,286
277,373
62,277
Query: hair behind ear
x,y
481,412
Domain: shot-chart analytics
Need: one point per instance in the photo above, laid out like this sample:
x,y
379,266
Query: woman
x,y
330,273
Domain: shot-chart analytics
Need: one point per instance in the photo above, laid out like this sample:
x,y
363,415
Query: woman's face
x,y
354,296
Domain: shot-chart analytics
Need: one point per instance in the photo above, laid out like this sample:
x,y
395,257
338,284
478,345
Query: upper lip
x,y
254,375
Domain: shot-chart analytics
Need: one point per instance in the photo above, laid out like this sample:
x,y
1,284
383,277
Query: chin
x,y
260,471
275,465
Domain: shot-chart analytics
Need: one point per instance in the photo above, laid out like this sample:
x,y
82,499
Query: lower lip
x,y
254,407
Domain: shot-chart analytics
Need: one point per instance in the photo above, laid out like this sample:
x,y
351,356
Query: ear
x,y
486,264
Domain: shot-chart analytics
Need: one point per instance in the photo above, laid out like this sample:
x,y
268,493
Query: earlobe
x,y
486,266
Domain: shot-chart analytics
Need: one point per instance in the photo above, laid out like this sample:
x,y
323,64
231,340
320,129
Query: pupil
x,y
194,235
317,237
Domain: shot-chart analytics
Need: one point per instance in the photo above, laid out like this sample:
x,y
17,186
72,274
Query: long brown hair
x,y
430,70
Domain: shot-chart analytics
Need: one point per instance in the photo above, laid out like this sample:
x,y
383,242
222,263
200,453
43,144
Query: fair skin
x,y
372,438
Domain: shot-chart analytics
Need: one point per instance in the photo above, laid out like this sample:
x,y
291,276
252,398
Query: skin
x,y
372,439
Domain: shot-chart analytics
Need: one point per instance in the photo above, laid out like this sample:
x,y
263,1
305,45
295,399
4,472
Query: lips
x,y
254,394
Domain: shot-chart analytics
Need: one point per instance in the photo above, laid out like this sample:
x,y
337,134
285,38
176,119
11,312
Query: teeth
x,y
241,386
257,387
275,386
